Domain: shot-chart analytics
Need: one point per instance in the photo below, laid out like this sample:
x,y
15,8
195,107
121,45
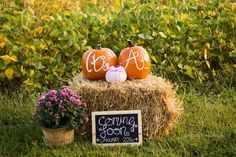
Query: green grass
x,y
207,128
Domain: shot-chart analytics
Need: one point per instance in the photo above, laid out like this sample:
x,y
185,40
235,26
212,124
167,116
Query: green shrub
x,y
186,41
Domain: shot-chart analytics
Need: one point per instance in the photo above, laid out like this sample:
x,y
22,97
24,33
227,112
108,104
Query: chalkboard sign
x,y
117,127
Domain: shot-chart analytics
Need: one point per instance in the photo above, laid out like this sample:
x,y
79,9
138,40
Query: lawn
x,y
207,128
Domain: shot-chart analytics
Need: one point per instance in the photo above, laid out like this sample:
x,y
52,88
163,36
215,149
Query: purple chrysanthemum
x,y
48,104
53,98
86,119
54,102
60,102
52,92
78,102
72,99
64,92
60,106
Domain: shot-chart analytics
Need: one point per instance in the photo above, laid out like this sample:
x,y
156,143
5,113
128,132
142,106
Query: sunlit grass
x,y
207,128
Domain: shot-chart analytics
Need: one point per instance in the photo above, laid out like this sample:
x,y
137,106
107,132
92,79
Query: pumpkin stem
x,y
99,46
131,43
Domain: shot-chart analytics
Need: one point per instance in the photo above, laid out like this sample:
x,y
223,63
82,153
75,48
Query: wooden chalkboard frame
x,y
118,112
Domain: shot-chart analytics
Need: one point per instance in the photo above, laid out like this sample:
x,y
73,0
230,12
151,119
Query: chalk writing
x,y
104,123
108,140
130,139
117,127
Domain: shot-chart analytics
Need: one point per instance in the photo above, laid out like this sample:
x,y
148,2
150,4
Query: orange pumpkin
x,y
136,61
96,62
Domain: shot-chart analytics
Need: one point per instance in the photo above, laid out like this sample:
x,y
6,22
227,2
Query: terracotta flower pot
x,y
58,136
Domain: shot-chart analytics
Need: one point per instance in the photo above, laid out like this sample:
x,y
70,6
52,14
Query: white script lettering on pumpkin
x,y
104,65
133,56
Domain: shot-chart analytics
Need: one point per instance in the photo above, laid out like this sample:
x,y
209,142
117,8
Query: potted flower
x,y
60,112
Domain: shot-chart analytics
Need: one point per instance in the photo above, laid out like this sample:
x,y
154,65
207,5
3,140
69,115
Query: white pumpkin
x,y
116,74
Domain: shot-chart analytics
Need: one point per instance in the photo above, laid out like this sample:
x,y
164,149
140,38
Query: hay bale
x,y
154,96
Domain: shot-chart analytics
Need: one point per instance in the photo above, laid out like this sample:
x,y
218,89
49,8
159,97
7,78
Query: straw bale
x,y
154,96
